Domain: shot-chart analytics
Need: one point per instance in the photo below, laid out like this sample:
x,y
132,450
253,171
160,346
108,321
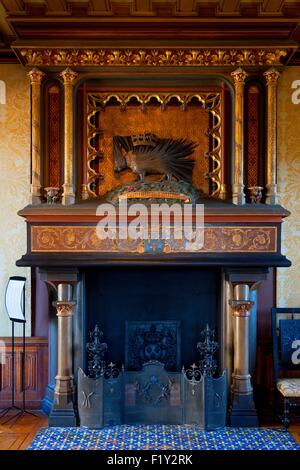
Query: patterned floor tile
x,y
162,437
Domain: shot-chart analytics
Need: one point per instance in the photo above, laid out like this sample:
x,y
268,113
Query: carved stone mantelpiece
x,y
246,240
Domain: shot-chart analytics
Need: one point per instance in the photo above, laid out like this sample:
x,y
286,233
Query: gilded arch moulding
x,y
153,57
211,102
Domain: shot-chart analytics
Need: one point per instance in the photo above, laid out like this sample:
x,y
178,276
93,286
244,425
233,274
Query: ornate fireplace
x,y
115,282
118,287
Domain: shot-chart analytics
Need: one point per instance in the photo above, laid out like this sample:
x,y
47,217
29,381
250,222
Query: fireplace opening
x,y
155,362
155,306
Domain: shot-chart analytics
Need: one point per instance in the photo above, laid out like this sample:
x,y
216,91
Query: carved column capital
x,y
239,75
241,308
69,76
63,308
36,75
272,76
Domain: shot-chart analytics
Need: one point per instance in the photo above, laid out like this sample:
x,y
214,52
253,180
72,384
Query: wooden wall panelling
x,y
36,371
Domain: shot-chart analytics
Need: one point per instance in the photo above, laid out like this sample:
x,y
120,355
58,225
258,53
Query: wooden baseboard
x,y
36,371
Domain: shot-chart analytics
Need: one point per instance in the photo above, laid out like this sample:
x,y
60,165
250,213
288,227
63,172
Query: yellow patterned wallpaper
x,y
288,280
14,181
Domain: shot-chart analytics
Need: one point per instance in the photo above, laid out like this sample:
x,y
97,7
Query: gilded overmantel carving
x,y
96,103
159,57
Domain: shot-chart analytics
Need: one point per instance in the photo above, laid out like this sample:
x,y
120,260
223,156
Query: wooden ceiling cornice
x,y
48,32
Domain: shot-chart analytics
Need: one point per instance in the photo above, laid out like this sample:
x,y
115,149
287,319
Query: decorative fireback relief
x,y
152,341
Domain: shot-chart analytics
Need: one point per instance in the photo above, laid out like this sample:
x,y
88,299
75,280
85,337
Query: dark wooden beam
x,y
68,28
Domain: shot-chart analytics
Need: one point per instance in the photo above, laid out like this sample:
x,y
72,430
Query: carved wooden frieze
x,y
217,239
171,57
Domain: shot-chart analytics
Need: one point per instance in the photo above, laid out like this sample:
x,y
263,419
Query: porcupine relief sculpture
x,y
148,154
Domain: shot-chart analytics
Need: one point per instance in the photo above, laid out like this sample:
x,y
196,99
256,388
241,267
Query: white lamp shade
x,y
15,298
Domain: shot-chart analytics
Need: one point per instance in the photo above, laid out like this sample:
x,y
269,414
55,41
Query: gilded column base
x,y
223,192
35,194
68,195
84,192
272,195
238,195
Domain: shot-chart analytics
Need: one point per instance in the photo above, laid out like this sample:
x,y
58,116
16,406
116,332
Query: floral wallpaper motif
x,y
288,279
14,182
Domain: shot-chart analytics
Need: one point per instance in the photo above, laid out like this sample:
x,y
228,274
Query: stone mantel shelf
x,y
235,236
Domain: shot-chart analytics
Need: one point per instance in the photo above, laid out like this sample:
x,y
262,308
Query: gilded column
x,y
242,411
64,388
272,75
36,77
69,77
238,196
